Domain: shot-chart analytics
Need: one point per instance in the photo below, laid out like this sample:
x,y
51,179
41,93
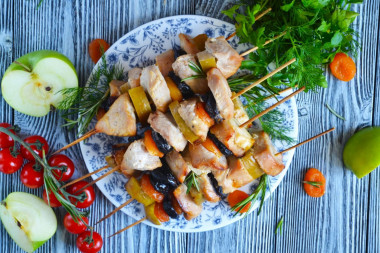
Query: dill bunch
x,y
85,101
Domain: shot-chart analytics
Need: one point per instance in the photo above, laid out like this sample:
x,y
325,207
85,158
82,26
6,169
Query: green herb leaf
x,y
191,180
334,112
279,225
288,6
313,183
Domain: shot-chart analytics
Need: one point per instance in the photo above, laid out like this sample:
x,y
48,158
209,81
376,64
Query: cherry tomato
x,y
32,176
10,160
86,245
53,200
62,161
5,140
74,227
37,144
88,197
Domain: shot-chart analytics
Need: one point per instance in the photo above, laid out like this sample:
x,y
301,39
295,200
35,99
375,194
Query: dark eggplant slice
x,y
169,209
185,89
218,189
178,52
220,145
163,180
210,106
161,143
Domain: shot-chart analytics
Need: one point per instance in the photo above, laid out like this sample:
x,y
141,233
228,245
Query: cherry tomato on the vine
x,y
61,160
52,198
86,199
74,227
10,160
5,140
86,244
32,176
37,144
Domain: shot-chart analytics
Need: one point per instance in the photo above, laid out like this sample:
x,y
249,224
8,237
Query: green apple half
x,y
361,153
32,83
28,220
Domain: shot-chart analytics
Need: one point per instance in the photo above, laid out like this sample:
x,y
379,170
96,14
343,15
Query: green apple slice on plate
x,y
361,153
32,83
28,220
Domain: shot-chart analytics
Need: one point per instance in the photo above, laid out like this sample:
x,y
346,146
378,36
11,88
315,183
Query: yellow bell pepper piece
x,y
251,165
175,93
149,212
196,195
206,60
133,188
186,131
141,103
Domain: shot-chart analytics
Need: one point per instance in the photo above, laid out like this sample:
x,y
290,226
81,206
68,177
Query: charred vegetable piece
x,y
210,146
161,143
200,41
175,93
218,189
110,161
150,214
160,212
197,196
133,188
210,107
185,89
251,165
178,52
150,144
163,180
141,103
186,131
220,145
148,188
206,60
168,207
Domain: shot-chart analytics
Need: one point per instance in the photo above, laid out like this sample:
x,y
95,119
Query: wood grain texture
x,y
345,220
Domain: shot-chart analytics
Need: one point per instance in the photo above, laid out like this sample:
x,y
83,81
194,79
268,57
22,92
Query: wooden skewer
x,y
263,79
128,227
256,18
304,142
248,122
83,137
266,43
85,176
99,178
280,92
114,211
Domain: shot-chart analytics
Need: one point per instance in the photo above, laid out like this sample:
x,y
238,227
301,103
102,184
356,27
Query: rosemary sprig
x,y
191,180
197,69
313,183
334,112
279,225
85,101
258,192
51,183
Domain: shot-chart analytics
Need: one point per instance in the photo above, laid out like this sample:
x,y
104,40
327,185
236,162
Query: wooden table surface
x,y
346,219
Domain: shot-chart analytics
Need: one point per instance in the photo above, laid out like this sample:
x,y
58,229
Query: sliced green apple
x,y
28,220
361,153
32,83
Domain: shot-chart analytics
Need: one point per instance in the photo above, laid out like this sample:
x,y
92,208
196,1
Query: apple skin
x,y
361,153
28,220
10,82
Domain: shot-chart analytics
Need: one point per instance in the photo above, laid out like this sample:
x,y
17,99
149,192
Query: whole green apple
x,y
28,220
31,84
362,151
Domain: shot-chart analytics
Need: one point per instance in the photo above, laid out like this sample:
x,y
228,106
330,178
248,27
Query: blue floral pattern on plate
x,y
139,48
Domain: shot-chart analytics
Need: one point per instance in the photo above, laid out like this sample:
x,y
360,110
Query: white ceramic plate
x,y
139,48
